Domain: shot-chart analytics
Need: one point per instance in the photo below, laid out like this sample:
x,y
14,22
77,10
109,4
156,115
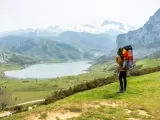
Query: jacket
x,y
119,61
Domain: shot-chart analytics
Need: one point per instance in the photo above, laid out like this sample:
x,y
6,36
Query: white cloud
x,y
16,14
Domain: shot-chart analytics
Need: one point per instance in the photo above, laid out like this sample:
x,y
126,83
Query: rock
x,y
30,108
145,40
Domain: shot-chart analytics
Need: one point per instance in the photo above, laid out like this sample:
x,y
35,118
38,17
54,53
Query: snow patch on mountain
x,y
102,28
109,27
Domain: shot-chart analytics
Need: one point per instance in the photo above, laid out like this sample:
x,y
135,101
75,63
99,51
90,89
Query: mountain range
x,y
110,27
64,42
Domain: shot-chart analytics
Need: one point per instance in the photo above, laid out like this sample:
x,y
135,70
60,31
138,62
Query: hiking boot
x,y
120,91
124,89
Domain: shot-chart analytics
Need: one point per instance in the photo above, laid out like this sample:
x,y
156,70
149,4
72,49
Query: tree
x,y
5,98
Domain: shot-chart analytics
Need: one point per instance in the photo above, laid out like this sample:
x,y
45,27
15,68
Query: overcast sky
x,y
15,14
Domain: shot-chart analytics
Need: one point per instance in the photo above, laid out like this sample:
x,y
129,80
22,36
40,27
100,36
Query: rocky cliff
x,y
144,40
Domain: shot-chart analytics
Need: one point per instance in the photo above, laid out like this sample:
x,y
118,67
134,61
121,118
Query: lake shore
x,y
67,69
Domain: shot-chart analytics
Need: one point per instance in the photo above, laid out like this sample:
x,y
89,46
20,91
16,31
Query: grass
x,y
43,116
33,89
28,90
149,63
101,66
5,67
142,94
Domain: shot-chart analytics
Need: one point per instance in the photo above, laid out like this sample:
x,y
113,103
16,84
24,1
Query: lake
x,y
50,70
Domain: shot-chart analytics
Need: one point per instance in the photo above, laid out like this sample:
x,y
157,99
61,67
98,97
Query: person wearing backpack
x,y
125,61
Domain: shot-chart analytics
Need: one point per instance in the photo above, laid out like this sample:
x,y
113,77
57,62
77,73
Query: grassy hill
x,y
101,103
33,89
149,62
139,102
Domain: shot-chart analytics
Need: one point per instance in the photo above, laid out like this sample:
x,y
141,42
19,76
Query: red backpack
x,y
127,54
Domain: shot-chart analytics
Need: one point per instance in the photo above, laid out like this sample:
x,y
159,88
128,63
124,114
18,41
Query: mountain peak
x,y
110,27
106,22
114,25
158,12
89,26
155,18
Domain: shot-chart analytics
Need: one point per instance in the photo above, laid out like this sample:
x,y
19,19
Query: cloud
x,y
16,14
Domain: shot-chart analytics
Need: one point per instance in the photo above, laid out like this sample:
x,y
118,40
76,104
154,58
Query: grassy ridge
x,y
149,63
137,97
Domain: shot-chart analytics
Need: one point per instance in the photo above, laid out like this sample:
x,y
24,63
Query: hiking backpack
x,y
127,54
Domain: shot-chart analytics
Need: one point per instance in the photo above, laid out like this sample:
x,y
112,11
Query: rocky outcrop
x,y
144,38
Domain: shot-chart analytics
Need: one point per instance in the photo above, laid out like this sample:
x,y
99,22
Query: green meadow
x,y
32,89
139,102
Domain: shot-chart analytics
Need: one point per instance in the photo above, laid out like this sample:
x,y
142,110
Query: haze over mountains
x,y
64,42
83,42
110,27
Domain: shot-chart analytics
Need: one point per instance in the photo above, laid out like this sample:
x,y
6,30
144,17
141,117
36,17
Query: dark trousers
x,y
122,80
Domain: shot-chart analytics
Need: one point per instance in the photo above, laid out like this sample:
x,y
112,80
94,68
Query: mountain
x,y
116,26
105,27
41,48
145,40
92,43
64,42
110,27
67,45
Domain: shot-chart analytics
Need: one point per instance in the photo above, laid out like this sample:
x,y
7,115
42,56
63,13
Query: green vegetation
x,y
149,63
57,95
5,98
43,116
33,89
5,67
23,59
102,66
103,103
20,47
28,90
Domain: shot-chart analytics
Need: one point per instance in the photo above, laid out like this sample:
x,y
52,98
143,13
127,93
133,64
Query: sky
x,y
21,14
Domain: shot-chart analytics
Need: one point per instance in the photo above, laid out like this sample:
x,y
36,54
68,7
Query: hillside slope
x,y
42,48
104,104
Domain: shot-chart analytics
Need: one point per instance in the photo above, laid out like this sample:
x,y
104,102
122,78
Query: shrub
x,y
91,85
18,108
24,81
68,92
57,95
102,82
43,116
145,71
80,87
5,98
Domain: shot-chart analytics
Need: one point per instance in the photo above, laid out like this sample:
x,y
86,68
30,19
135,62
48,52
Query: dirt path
x,y
7,113
30,102
76,110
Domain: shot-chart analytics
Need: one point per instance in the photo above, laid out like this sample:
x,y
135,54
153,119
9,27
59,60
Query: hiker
x,y
122,71
125,61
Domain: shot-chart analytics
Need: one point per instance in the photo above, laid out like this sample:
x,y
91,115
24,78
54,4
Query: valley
x,y
69,72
